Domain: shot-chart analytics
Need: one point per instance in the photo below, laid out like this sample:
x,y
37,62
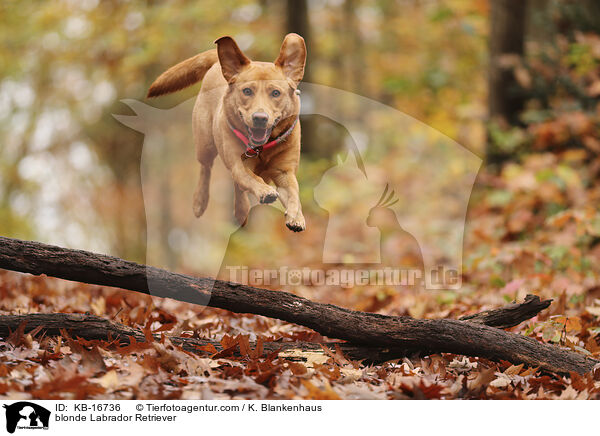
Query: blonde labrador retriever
x,y
247,112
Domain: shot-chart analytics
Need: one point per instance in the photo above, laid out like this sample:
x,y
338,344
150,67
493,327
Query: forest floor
x,y
530,230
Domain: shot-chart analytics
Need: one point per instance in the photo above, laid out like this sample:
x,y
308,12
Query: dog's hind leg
x,y
203,187
242,206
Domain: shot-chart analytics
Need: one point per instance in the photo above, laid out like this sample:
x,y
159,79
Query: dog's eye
x,y
247,91
275,93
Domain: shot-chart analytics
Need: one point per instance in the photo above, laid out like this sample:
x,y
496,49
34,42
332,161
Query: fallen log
x,y
92,327
426,336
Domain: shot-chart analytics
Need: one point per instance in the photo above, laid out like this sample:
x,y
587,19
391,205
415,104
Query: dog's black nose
x,y
260,119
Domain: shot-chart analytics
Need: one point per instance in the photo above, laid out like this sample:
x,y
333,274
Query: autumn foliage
x,y
533,224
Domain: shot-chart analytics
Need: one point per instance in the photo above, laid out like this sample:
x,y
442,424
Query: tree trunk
x,y
297,22
507,38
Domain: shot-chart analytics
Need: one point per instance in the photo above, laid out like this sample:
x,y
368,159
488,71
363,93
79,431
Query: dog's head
x,y
263,93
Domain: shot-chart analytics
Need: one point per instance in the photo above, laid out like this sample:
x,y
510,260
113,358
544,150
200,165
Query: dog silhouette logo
x,y
26,415
396,197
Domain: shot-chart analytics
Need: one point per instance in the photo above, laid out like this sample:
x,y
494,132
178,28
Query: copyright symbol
x,y
139,407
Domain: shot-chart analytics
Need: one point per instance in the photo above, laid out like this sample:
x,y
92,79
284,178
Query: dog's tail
x,y
183,74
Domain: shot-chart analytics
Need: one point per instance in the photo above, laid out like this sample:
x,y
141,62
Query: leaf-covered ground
x,y
530,230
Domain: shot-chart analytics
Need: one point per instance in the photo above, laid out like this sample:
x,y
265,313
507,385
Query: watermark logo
x,y
386,208
341,277
25,415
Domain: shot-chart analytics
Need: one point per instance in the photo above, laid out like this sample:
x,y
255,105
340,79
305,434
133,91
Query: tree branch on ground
x,y
92,327
425,336
510,315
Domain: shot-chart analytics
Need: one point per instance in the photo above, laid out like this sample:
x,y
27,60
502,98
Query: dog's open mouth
x,y
259,136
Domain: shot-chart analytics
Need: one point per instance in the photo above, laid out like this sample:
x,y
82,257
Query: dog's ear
x,y
292,57
231,58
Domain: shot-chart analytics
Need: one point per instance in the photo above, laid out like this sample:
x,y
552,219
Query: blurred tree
x,y
297,22
353,47
506,41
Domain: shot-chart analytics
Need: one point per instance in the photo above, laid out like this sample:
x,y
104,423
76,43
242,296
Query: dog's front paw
x,y
268,196
296,224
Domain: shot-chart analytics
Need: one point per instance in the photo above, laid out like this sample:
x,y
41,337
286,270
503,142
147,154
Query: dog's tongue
x,y
258,135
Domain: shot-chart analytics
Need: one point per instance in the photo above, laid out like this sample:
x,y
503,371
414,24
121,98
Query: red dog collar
x,y
252,150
